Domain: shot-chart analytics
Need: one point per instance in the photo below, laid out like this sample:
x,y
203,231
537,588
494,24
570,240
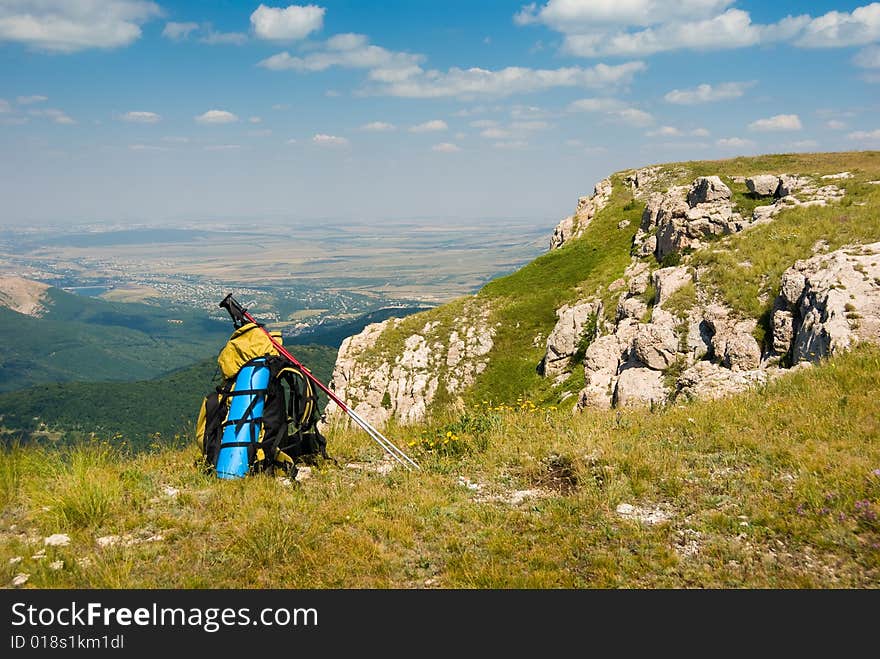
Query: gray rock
x,y
669,280
631,307
741,351
655,346
563,340
706,211
763,185
706,381
587,207
783,331
639,386
707,189
600,371
790,184
404,384
834,301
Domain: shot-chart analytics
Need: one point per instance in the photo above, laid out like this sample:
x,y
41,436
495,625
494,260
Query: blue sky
x,y
141,111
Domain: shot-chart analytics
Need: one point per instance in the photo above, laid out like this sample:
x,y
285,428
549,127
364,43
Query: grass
x,y
775,488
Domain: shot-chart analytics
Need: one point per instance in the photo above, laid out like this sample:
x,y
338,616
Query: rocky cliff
x,y
656,322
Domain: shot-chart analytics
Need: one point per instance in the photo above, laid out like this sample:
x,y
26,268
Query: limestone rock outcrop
x,y
379,385
563,341
827,303
574,226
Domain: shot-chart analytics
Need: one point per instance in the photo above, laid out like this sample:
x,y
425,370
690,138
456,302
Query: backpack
x,y
263,415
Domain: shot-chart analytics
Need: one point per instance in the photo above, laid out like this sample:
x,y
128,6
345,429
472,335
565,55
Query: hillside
x,y
665,283
146,413
68,337
682,392
775,488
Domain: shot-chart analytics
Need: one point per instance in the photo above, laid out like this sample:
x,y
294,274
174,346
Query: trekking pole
x,y
240,315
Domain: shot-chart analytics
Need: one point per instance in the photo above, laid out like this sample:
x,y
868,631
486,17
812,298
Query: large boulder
x,y
639,386
708,190
763,185
655,346
686,219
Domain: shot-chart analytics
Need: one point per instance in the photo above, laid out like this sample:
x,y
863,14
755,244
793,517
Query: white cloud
x,y
281,106
596,105
868,58
179,31
350,51
574,15
672,131
175,139
838,29
222,147
329,140
254,120
613,109
30,100
504,82
632,117
141,117
292,23
835,124
637,28
72,25
292,140
216,117
734,143
863,135
664,131
432,126
478,109
223,38
58,116
512,135
732,29
4,105
446,147
378,127
511,144
706,93
182,32
397,73
261,132
778,122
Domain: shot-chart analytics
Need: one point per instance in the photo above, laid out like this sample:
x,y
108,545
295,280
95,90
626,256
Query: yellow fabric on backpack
x,y
200,425
246,343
